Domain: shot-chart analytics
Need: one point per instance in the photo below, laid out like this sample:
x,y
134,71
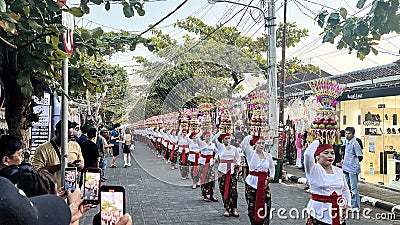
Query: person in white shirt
x,y
330,195
262,172
227,172
182,153
194,156
207,172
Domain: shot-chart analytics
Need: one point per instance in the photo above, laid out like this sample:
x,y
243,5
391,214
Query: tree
x,y
220,54
360,34
31,53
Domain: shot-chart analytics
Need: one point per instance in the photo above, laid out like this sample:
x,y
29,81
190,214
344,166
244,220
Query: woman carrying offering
x,y
193,159
330,195
227,172
207,172
262,172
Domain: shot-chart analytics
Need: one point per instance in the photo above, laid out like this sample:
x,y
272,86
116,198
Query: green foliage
x,y
128,9
32,51
210,56
361,33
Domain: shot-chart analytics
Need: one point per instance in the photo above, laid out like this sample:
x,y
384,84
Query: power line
x,y
165,17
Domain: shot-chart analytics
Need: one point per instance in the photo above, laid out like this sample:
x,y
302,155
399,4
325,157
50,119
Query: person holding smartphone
x,y
48,155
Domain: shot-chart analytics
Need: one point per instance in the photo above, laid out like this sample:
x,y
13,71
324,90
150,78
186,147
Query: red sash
x,y
196,162
172,150
157,143
227,176
260,195
183,159
333,198
206,166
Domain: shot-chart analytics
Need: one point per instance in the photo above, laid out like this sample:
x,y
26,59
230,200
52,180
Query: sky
x,y
310,50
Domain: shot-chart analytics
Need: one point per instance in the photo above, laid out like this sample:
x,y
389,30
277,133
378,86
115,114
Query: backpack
x,y
360,142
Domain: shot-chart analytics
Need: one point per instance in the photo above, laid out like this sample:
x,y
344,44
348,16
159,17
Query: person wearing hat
x,y
262,172
48,155
330,195
11,151
16,208
206,161
227,171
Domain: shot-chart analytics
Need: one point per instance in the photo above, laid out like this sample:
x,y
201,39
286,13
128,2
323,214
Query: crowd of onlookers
x,y
34,193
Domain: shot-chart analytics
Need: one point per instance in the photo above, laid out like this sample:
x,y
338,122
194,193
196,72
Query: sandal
x,y
226,214
194,186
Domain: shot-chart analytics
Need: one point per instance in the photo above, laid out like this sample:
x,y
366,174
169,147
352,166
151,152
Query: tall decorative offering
x,y
205,111
258,106
225,110
325,126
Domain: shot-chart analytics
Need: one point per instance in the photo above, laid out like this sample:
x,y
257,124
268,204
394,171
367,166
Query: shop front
x,y
375,115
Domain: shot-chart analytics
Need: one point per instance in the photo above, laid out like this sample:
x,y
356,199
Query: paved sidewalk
x,y
156,195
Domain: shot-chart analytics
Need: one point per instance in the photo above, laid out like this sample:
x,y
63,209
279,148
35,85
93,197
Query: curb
x,y
364,199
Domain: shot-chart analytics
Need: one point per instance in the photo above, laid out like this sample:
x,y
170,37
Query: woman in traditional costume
x,y
206,161
262,172
227,172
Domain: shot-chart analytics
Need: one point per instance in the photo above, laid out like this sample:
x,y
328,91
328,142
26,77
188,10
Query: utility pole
x,y
282,88
272,79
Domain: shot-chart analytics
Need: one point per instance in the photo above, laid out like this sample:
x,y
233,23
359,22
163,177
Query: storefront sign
x,y
370,93
40,131
354,96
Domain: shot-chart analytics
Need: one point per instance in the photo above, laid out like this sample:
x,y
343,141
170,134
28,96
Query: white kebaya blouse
x,y
255,163
322,183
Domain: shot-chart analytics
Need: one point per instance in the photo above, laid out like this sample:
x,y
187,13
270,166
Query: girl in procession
x,y
173,147
330,195
193,159
227,172
183,154
262,172
207,172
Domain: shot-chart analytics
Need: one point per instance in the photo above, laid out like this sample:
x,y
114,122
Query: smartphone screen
x,y
70,178
91,186
112,204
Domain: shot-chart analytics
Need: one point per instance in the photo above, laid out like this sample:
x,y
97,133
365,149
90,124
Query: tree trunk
x,y
18,111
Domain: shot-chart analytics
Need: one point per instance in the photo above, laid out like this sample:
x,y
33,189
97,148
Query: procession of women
x,y
205,145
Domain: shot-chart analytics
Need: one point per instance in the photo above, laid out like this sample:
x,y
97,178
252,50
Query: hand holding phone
x,y
70,178
91,185
112,206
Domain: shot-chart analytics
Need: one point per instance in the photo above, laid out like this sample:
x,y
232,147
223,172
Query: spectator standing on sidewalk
x,y
104,147
127,142
351,166
262,172
48,155
329,189
114,137
84,137
90,151
10,151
